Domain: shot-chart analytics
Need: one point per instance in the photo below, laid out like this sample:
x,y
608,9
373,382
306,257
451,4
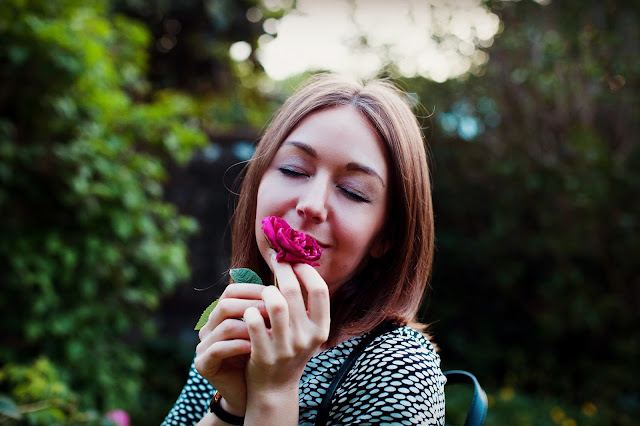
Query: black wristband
x,y
216,408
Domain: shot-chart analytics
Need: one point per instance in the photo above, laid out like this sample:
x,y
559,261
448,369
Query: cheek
x,y
357,237
351,257
264,201
262,210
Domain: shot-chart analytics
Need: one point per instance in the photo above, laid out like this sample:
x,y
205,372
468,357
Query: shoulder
x,y
396,379
401,352
404,338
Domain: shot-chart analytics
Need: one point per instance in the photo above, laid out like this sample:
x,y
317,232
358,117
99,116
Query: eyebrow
x,y
362,168
352,166
303,146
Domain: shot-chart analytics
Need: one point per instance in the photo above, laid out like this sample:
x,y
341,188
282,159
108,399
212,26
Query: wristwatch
x,y
216,408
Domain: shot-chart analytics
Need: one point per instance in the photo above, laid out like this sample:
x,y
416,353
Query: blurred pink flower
x,y
119,417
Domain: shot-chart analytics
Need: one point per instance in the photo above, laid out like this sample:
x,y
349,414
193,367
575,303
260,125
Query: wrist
x,y
272,399
273,407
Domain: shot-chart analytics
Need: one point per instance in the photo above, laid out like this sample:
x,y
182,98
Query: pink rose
x,y
292,246
119,417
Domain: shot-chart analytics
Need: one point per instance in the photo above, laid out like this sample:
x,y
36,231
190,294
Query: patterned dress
x,y
396,381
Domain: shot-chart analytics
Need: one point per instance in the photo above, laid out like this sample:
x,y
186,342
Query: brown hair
x,y
393,285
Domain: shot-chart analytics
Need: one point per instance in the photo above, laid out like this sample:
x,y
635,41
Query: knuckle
x,y
226,325
319,292
279,308
213,351
288,351
289,293
225,293
319,339
229,291
198,364
224,307
299,346
268,361
320,335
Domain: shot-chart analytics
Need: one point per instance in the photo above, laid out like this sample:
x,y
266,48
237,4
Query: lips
x,y
318,240
320,243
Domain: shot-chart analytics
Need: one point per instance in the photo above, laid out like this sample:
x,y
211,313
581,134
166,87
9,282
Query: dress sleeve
x,y
193,402
396,381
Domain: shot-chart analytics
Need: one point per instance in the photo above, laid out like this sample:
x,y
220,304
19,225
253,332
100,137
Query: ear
x,y
380,246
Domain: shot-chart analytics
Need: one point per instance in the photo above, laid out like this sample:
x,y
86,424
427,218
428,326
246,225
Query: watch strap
x,y
216,408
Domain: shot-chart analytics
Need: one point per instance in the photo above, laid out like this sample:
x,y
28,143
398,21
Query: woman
x,y
346,164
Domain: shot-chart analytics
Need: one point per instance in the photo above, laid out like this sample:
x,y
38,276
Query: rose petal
x,y
291,246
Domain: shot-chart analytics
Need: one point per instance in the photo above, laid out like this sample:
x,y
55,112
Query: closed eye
x,y
354,195
291,172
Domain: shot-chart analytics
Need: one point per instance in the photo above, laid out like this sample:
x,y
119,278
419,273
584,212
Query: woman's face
x,y
329,179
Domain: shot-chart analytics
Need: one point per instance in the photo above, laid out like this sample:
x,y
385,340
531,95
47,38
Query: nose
x,y
312,203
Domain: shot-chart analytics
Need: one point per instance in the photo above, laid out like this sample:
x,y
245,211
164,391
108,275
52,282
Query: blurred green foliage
x,y
189,51
536,167
40,397
507,406
88,244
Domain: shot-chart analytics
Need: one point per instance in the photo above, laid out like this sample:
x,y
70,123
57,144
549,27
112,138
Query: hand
x,y
224,348
280,353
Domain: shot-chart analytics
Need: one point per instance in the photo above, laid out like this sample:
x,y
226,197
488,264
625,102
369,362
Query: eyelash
x,y
352,195
289,172
355,197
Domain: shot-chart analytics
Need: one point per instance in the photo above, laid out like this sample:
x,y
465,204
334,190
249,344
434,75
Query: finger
x,y
289,286
242,291
230,308
229,348
229,329
235,291
208,363
318,300
258,334
278,310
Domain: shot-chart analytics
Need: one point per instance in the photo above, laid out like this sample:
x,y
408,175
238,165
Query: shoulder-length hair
x,y
391,287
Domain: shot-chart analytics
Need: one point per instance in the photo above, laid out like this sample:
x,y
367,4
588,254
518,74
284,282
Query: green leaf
x,y
245,275
240,275
205,315
8,408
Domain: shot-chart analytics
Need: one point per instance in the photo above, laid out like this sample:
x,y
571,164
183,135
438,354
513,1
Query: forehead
x,y
341,131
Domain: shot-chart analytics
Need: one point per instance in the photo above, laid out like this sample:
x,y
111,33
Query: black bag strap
x,y
478,408
325,406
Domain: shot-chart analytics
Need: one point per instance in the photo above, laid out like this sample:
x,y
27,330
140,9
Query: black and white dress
x,y
396,380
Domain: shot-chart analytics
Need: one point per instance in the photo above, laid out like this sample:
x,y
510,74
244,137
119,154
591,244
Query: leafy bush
x,y
507,406
536,278
40,397
88,245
